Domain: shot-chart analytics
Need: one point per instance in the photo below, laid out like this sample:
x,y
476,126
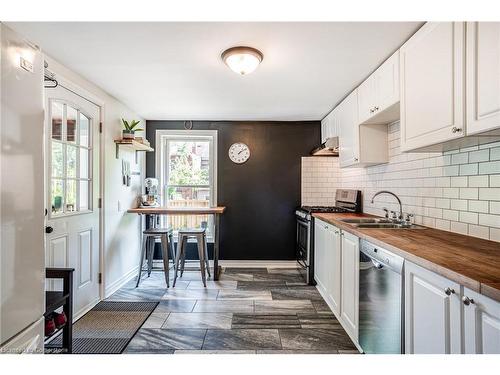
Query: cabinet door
x,y
326,127
387,83
319,253
432,312
432,85
481,324
366,99
349,130
333,262
483,76
349,305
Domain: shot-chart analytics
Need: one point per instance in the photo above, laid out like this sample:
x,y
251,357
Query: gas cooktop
x,y
319,209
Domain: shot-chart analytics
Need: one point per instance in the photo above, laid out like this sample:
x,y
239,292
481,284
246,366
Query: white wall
x,y
457,191
121,230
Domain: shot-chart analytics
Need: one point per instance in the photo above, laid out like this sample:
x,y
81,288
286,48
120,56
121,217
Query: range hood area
x,y
328,148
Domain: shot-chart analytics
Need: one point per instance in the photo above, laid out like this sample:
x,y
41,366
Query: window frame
x,y
65,143
161,165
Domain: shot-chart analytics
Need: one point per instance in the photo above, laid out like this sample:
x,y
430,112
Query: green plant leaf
x,y
126,125
138,130
134,124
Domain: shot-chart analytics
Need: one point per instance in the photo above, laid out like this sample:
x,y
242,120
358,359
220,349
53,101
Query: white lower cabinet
x,y
481,324
349,305
336,271
432,312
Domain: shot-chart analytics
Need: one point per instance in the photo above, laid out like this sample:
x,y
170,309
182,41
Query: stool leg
x,y
151,248
177,257
141,261
171,248
201,254
164,252
184,249
205,247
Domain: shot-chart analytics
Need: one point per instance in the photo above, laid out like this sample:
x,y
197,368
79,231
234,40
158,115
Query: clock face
x,y
239,153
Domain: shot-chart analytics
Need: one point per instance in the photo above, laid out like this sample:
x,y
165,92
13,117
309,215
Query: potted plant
x,y
130,129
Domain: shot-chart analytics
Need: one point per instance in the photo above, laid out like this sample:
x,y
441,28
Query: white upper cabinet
x,y
329,126
432,312
366,99
360,145
432,85
481,324
379,94
483,76
347,113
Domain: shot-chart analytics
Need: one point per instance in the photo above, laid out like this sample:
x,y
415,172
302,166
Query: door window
x,y
70,160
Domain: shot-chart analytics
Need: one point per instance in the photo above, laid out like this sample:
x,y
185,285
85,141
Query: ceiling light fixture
x,y
242,60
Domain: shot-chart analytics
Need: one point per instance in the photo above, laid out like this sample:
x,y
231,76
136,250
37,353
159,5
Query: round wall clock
x,y
239,153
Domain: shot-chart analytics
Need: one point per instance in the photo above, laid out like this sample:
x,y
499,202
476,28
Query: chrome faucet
x,y
395,196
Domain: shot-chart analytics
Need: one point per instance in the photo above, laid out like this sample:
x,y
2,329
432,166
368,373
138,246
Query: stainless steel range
x,y
346,200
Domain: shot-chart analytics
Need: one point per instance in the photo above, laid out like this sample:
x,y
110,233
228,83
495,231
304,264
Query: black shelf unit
x,y
57,299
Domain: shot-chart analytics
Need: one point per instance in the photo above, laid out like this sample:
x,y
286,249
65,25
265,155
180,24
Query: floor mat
x,y
107,328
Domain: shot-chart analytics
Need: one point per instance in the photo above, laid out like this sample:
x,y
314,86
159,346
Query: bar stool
x,y
201,242
148,244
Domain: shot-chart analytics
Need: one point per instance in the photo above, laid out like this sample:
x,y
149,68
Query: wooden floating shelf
x,y
132,145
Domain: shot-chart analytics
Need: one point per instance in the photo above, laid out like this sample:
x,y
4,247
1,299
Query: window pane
x,y
84,163
57,196
84,130
71,124
57,159
188,163
70,195
71,161
57,115
188,196
84,195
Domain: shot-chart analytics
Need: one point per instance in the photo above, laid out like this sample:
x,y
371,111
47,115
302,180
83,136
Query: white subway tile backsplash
x,y
478,156
478,206
492,194
491,167
458,191
468,169
478,181
469,193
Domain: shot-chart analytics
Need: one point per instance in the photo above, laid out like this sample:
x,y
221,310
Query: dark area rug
x,y
107,328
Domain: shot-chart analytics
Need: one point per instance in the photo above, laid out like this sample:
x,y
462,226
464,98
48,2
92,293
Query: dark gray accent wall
x,y
260,195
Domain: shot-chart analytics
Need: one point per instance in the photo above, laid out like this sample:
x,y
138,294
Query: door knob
x,y
49,229
449,291
467,301
456,130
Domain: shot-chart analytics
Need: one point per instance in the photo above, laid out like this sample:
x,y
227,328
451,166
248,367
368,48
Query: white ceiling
x,y
174,71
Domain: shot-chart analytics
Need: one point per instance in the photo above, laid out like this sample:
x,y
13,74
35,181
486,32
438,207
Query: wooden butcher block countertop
x,y
470,261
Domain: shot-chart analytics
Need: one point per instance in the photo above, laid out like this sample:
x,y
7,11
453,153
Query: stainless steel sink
x,y
366,221
387,226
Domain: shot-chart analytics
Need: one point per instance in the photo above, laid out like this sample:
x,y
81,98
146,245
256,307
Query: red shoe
x,y
50,326
60,319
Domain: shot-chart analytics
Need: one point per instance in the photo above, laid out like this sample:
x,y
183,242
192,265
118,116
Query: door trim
x,y
76,89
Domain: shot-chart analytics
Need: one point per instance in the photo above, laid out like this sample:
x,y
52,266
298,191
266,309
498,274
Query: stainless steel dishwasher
x,y
381,313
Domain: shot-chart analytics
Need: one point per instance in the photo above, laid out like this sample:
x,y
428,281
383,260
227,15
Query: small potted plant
x,y
130,129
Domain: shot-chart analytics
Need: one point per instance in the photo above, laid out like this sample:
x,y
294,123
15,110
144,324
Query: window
x,y
70,160
187,171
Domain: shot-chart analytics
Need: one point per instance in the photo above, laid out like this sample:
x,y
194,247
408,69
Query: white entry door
x,y
72,181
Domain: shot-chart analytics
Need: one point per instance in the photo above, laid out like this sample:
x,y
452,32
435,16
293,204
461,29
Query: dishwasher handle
x,y
396,265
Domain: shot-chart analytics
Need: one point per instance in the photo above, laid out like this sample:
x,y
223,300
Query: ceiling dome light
x,y
242,60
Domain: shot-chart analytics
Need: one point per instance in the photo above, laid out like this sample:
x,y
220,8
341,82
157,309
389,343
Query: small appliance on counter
x,y
346,200
151,198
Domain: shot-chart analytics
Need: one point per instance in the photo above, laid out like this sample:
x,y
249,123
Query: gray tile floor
x,y
249,311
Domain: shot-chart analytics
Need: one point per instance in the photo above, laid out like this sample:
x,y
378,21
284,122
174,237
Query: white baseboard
x,y
110,289
259,263
242,263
